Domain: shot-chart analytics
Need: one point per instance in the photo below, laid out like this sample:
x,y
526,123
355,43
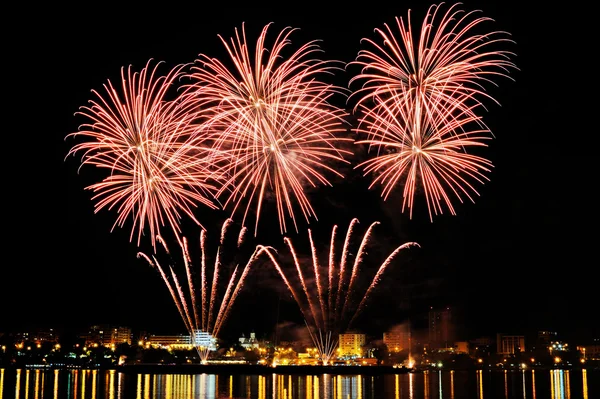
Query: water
x,y
100,384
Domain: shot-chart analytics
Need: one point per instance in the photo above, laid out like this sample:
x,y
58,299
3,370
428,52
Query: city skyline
x,y
516,258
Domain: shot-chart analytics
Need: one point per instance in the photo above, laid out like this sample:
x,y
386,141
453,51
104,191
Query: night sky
x,y
517,260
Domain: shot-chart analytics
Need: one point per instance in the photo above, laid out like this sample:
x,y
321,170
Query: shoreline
x,y
258,369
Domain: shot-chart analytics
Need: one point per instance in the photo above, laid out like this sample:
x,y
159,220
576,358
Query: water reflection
x,y
97,384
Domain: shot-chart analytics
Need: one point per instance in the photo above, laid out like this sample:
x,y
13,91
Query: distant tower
x,y
440,328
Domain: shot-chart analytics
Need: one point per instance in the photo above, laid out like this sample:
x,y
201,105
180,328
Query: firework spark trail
x,y
226,296
271,118
181,295
309,297
241,236
426,152
343,263
192,289
325,346
224,229
318,278
331,269
215,281
450,59
357,261
203,281
213,291
140,136
377,277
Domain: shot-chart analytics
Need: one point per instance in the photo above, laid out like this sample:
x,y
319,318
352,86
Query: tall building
x,y
509,344
99,335
121,335
351,345
441,329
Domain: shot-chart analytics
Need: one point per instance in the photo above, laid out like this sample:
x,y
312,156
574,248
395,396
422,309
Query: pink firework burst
x,y
271,119
154,175
425,153
453,57
328,292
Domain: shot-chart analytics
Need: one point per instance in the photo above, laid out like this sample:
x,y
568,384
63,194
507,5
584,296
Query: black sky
x,y
518,260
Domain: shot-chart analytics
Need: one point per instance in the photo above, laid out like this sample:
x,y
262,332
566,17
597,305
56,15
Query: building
x,y
397,340
179,341
441,330
462,347
121,335
351,345
38,336
203,339
509,344
249,343
590,352
107,336
98,335
482,346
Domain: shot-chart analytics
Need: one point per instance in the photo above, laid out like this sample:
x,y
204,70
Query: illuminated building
x,y
179,341
396,340
351,345
509,344
249,343
590,352
481,346
203,339
98,334
107,336
121,335
182,341
38,336
441,330
462,347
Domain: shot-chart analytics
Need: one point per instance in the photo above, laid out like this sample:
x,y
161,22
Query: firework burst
x,y
450,59
141,139
425,154
271,119
331,306
204,316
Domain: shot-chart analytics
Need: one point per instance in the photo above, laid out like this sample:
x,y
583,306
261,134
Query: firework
x,y
154,176
425,154
271,119
450,59
331,306
203,317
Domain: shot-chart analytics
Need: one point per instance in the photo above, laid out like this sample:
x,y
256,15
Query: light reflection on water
x,y
98,384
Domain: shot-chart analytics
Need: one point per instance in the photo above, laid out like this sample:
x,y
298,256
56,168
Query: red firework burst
x,y
425,152
450,59
143,141
271,119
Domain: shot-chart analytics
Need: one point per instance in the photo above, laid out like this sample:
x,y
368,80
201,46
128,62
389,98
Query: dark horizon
x,y
516,260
